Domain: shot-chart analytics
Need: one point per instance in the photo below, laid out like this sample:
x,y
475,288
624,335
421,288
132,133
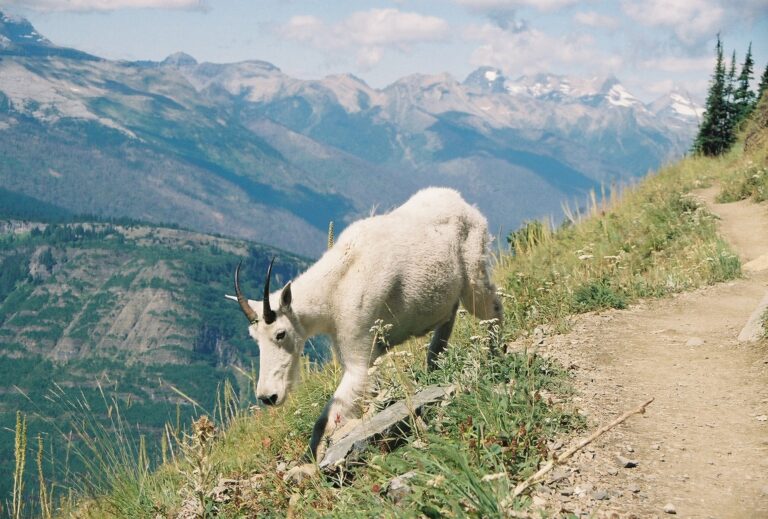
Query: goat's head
x,y
280,343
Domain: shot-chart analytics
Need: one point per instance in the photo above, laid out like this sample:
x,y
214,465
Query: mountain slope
x,y
130,309
246,150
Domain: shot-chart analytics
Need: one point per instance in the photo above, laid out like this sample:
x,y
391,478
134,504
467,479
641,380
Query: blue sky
x,y
650,45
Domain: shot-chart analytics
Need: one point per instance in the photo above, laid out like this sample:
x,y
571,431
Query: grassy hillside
x,y
461,459
99,311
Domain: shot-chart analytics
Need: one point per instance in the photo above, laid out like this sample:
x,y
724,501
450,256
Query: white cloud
x,y
703,65
594,19
106,5
504,13
368,32
367,57
386,26
653,77
304,28
692,21
507,5
534,51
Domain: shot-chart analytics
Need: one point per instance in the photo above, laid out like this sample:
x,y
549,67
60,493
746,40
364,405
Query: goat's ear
x,y
286,297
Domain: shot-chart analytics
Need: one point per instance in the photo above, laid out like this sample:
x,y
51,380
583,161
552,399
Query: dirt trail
x,y
702,446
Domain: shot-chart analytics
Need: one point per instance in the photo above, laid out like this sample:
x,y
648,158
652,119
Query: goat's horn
x,y
269,315
253,318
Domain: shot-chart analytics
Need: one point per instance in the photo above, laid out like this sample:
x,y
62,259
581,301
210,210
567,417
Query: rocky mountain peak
x,y
179,59
487,80
616,94
15,31
543,86
18,37
609,83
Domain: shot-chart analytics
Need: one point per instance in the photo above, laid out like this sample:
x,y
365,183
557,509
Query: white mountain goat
x,y
409,268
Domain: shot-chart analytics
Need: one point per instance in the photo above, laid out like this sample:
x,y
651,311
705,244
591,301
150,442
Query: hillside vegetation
x,y
94,311
461,459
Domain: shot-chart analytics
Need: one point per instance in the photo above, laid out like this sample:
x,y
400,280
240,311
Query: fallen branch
x,y
379,424
558,460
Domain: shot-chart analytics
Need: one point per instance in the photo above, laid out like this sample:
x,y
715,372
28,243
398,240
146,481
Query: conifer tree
x,y
743,96
713,137
763,85
731,109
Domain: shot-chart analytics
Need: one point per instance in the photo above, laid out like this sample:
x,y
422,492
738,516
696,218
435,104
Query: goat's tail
x,y
479,293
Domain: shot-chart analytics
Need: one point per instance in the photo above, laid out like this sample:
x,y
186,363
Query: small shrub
x,y
750,182
598,295
724,265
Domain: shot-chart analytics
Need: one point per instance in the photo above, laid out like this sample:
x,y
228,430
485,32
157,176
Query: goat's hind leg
x,y
440,340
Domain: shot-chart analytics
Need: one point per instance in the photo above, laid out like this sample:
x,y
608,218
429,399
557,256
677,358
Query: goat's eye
x,y
280,335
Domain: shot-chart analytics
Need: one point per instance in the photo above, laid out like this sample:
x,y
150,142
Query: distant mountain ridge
x,y
246,150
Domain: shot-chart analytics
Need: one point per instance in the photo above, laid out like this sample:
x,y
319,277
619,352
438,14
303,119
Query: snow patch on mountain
x,y
677,105
618,96
554,86
685,107
19,30
486,80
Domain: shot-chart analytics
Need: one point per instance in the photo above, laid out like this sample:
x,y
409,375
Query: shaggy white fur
x,y
409,268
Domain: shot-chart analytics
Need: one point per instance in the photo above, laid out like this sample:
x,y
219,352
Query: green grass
x,y
498,424
748,178
652,240
648,241
749,183
596,295
503,418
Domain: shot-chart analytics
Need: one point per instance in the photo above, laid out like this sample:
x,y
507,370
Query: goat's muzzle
x,y
268,400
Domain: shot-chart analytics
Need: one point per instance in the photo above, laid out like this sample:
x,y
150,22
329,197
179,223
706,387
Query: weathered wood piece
x,y
380,424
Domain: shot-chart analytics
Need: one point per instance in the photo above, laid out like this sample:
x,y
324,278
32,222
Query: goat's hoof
x,y
300,473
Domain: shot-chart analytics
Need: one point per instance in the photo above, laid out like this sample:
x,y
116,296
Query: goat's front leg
x,y
343,405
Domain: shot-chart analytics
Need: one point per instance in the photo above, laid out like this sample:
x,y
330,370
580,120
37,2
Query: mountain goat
x,y
410,268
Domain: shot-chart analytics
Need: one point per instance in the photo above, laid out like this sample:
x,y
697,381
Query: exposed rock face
x,y
138,293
